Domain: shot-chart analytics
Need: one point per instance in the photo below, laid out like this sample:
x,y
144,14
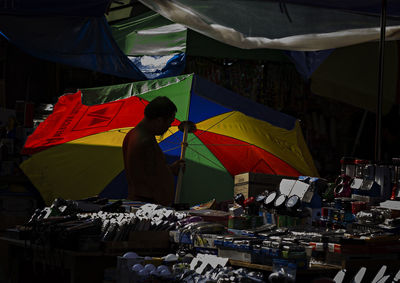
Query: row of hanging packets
x,y
149,217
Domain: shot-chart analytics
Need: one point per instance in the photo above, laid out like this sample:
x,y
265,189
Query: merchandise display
x,y
279,233
202,268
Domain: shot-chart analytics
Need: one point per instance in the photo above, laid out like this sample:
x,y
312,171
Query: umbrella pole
x,y
180,175
378,126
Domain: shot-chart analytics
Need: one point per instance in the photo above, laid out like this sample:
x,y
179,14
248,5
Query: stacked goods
x,y
90,225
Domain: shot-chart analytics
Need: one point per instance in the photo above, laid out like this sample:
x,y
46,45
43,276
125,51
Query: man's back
x,y
149,178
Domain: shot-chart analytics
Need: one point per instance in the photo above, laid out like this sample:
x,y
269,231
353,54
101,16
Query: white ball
x,y
130,255
155,273
137,267
161,268
170,257
143,273
165,273
149,267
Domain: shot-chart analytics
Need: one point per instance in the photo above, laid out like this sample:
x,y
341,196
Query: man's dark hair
x,y
161,106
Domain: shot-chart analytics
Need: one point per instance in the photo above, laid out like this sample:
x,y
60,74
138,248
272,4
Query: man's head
x,y
161,113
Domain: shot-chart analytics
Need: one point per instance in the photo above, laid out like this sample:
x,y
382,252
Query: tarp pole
x,y
357,141
378,126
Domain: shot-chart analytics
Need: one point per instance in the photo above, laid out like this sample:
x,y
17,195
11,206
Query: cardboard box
x,y
252,184
259,178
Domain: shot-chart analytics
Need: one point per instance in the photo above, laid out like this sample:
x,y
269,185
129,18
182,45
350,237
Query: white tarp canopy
x,y
300,25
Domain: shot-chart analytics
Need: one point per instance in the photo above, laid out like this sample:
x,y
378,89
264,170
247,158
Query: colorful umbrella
x,y
76,151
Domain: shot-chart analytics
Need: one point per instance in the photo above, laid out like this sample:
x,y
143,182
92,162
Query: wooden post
x,y
180,175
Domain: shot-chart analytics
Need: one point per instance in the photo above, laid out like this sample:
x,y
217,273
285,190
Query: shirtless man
x,y
150,178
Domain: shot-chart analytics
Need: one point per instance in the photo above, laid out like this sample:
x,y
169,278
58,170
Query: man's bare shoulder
x,y
140,138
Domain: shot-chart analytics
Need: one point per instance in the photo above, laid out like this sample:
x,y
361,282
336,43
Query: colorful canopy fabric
x,y
77,150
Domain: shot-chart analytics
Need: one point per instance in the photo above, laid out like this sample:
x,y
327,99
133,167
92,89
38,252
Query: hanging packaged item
x,y
383,177
348,167
360,165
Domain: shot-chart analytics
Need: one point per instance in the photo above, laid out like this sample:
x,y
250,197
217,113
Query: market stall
x,y
252,206
300,229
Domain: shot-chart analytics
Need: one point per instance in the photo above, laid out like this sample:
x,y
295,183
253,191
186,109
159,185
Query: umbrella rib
x,y
218,165
120,131
215,124
160,139
170,142
170,131
205,157
169,149
172,148
141,101
223,144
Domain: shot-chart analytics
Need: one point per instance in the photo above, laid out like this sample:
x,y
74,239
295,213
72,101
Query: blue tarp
x,y
72,32
84,42
84,8
75,33
306,62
